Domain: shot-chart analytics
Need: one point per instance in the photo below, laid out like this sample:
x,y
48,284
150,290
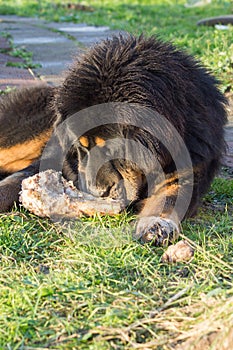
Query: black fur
x,y
149,73
25,114
157,75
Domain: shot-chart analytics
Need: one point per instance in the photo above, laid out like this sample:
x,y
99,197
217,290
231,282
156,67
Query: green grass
x,y
26,57
14,51
90,285
168,19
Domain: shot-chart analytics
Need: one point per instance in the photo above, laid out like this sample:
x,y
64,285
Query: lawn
x,y
89,285
169,19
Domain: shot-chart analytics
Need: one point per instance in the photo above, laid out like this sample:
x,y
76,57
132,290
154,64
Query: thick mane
x,y
157,118
152,74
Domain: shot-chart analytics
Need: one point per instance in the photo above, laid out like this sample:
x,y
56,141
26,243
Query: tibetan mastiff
x,y
161,100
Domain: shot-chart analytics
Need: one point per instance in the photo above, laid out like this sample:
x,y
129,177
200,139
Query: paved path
x,y
228,159
54,45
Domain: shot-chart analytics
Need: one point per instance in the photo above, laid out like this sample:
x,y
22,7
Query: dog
x,y
161,100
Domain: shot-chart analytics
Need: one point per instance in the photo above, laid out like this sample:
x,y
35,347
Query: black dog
x,y
141,80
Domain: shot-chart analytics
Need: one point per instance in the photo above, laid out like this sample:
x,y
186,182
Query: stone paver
x,y
6,59
228,159
54,45
12,76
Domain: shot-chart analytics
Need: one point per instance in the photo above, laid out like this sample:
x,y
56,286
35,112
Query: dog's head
x,y
106,163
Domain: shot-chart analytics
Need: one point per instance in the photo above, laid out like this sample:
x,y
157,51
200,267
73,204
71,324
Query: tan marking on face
x,y
99,141
84,141
21,155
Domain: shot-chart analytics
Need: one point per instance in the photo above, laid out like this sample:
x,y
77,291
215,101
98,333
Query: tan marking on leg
x,y
20,156
159,204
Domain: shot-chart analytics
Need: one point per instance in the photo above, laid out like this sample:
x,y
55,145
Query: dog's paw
x,y
159,231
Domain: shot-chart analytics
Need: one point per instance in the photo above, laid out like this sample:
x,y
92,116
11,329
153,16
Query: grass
x,y
94,287
26,56
168,19
90,285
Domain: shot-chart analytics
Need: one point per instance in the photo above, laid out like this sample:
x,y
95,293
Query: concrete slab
x,y
228,159
53,57
15,72
15,77
5,58
54,45
22,31
4,44
83,29
39,40
90,40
